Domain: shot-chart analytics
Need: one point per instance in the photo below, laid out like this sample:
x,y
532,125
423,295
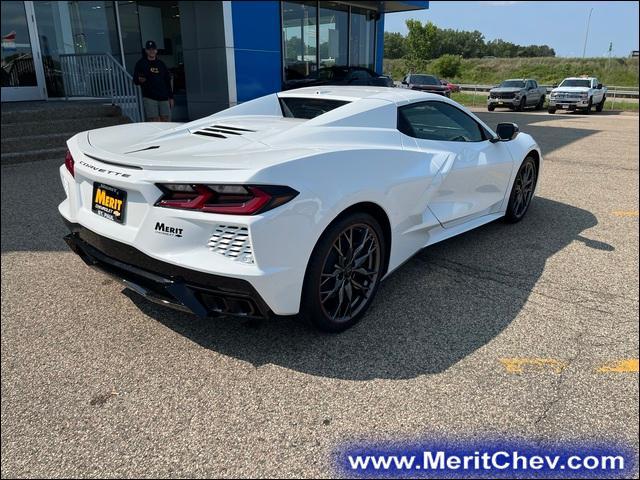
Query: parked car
x,y
296,202
425,83
337,75
517,94
578,93
452,86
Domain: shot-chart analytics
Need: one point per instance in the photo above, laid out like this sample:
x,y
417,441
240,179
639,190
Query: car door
x,y
597,93
533,95
474,176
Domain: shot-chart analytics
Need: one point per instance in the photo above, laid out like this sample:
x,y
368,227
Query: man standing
x,y
153,76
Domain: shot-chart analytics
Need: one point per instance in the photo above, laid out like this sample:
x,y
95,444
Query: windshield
x,y
424,80
512,84
307,108
573,82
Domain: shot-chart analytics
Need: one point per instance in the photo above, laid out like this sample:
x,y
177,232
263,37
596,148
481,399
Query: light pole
x,y
586,35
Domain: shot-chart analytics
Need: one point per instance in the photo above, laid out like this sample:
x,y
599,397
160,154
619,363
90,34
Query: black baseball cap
x,y
150,45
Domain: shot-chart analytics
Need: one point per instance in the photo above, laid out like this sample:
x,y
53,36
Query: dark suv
x,y
425,83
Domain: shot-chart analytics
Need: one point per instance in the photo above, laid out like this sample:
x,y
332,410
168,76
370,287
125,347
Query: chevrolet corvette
x,y
296,203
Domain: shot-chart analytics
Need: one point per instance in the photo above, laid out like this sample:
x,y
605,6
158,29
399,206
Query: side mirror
x,y
507,131
599,86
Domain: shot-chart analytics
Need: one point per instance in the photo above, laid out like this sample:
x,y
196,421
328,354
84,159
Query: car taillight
x,y
227,199
68,162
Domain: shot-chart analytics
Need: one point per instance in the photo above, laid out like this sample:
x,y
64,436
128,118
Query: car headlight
x,y
584,96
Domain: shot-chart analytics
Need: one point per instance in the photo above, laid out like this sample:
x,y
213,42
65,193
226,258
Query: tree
x,y
395,45
447,66
426,42
421,40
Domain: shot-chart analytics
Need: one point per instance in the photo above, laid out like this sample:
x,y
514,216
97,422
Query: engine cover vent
x,y
232,242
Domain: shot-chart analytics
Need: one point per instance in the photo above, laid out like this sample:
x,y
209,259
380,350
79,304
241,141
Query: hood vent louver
x,y
144,149
220,131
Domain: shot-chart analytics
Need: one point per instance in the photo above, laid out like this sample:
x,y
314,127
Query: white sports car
x,y
299,202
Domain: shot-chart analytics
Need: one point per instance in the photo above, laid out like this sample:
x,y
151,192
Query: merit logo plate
x,y
108,202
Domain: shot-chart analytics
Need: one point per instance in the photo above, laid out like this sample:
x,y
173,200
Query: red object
x,y
214,198
453,87
69,163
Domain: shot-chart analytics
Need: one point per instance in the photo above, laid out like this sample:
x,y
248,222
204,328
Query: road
x,y
526,331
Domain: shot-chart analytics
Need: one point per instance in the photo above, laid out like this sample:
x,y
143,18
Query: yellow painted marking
x,y
626,213
518,365
621,366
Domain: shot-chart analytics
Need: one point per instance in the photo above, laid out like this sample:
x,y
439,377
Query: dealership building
x,y
219,53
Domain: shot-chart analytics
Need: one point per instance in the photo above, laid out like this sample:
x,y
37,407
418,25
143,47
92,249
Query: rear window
x,y
307,108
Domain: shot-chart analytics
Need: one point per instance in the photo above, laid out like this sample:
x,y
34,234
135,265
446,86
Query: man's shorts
x,y
156,108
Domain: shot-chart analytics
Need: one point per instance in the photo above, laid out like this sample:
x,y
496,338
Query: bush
x,y
447,66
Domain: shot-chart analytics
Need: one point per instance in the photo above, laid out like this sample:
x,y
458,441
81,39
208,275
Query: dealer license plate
x,y
108,202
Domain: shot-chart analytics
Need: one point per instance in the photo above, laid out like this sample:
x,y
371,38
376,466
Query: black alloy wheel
x,y
522,192
343,273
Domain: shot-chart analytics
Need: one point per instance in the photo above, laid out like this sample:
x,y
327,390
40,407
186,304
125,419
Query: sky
x,y
561,25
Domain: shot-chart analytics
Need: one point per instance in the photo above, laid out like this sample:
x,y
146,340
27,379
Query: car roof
x,y
354,93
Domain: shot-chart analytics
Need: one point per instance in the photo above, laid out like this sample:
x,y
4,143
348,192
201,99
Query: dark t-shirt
x,y
158,83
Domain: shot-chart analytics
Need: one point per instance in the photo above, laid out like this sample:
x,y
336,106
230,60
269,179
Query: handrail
x,y
100,75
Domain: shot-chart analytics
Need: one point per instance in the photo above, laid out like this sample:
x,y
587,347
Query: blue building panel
x,y
257,48
258,73
379,43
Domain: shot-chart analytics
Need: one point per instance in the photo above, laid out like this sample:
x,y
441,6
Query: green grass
x,y
469,99
547,70
480,100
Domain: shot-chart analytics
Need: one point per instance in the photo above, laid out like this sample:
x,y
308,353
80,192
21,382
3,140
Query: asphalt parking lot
x,y
526,331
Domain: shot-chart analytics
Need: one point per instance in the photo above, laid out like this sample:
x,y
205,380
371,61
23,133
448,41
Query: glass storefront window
x,y
318,36
73,27
158,21
299,26
363,38
334,34
18,69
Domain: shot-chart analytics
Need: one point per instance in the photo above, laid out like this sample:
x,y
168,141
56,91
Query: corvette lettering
x,y
103,170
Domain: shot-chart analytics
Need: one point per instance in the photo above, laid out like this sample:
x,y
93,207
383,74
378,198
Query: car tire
x,y
491,108
338,288
551,110
540,104
589,105
600,105
522,104
524,186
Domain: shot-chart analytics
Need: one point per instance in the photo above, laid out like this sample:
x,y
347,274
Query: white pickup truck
x,y
578,93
